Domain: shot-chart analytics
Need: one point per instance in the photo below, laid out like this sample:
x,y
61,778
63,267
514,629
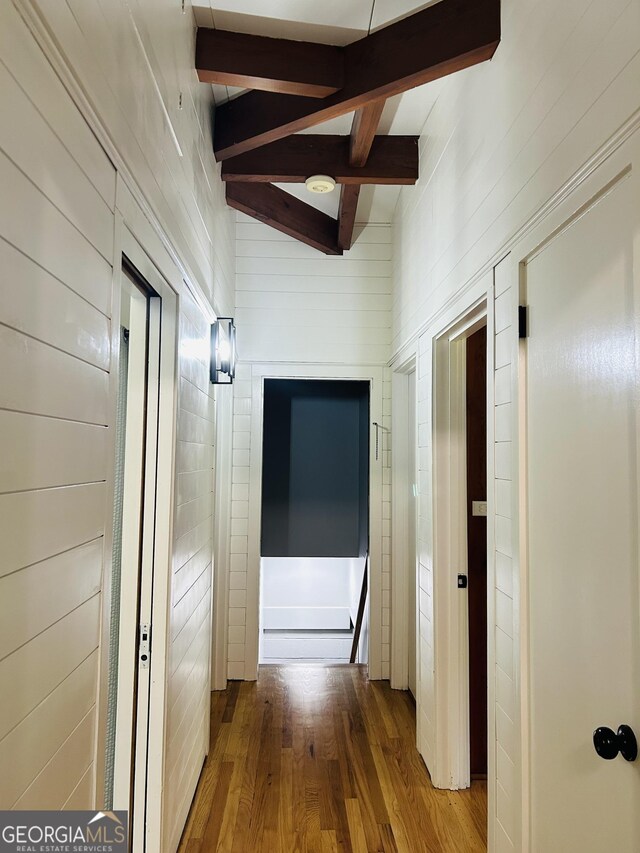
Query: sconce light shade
x,y
223,351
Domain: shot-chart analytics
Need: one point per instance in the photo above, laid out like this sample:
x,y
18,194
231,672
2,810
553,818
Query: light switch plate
x,y
479,508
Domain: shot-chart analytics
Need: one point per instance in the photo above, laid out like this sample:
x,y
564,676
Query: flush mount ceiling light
x,y
320,184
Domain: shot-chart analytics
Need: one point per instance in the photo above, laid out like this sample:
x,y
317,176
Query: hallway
x,y
221,213
318,758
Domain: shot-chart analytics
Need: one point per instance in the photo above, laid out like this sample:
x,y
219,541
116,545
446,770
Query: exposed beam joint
x,y
363,132
362,140
349,195
432,43
269,64
392,160
285,213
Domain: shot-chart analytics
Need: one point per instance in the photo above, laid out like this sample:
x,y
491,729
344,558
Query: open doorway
x,y
476,494
315,521
461,601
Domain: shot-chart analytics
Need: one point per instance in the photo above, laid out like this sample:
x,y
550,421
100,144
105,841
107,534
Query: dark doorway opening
x,y
476,408
315,518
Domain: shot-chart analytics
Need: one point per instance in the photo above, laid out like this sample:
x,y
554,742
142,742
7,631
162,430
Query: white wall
x,y
297,306
502,139
306,581
133,61
306,592
188,689
56,248
64,192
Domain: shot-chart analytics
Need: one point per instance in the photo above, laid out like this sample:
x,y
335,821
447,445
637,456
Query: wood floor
x,y
317,759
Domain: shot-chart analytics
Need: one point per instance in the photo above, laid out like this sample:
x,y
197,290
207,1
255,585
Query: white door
x,y
134,546
582,468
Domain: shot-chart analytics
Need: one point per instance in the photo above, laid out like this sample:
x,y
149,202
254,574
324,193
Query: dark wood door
x,y
477,546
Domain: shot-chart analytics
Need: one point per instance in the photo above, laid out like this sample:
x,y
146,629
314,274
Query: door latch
x,y
462,581
144,648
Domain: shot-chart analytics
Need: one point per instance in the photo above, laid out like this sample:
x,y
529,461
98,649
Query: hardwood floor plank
x,y
285,804
356,828
393,803
388,839
343,837
329,841
312,792
230,706
317,759
216,812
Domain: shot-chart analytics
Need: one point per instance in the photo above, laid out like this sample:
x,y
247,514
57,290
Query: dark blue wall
x,y
315,477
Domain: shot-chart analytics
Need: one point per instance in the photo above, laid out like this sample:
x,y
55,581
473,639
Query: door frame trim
x,y
260,372
163,534
135,239
401,574
449,513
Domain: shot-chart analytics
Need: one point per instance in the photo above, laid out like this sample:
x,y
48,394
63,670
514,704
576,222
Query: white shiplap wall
x,y
501,140
56,247
296,306
239,543
125,71
190,622
135,63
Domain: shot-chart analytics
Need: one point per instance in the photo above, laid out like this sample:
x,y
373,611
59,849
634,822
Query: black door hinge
x,y
523,321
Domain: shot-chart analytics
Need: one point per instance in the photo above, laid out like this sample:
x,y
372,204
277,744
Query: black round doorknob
x,y
609,744
605,741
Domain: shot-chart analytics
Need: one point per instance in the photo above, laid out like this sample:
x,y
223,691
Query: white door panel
x,y
582,374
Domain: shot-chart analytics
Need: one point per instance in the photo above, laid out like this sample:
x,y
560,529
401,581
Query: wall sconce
x,y
223,351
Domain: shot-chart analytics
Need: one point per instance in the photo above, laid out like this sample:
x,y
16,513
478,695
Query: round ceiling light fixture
x,y
320,184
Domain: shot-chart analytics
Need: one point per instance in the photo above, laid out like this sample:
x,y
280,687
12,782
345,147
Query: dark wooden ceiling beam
x,y
269,64
432,43
285,213
349,195
362,141
363,132
392,160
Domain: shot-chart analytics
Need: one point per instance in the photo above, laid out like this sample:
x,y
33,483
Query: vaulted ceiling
x,y
338,87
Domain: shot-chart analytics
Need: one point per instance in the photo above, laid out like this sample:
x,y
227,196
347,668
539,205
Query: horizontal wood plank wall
x,y
161,126
500,141
239,541
295,305
56,245
190,619
57,225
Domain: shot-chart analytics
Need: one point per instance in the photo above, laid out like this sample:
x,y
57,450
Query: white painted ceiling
x,y
337,22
